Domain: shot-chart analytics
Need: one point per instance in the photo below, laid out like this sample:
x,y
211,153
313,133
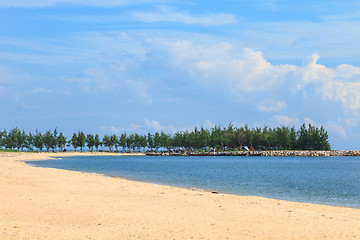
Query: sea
x,y
322,180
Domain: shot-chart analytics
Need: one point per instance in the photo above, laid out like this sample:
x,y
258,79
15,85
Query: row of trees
x,y
229,138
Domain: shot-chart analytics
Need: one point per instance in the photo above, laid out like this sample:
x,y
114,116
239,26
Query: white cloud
x,y
9,75
351,122
336,128
208,124
163,14
221,63
335,84
112,129
286,120
157,127
133,128
204,60
272,107
139,90
97,81
21,101
95,3
334,40
41,90
93,81
166,14
247,71
310,121
98,18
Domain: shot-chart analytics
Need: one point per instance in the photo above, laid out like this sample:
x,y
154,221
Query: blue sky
x,y
151,65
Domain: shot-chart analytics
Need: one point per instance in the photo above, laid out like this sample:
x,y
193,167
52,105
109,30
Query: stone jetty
x,y
274,153
309,153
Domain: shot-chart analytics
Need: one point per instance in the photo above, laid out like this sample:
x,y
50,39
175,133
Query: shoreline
x,y
61,204
210,190
265,153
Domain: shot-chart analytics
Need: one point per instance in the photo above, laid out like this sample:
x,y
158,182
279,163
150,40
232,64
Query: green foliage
x,y
38,140
3,136
81,139
110,141
150,141
8,150
122,141
90,141
97,142
130,140
308,137
74,141
156,140
114,141
50,140
16,139
61,141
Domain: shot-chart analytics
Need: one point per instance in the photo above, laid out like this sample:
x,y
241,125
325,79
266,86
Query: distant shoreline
x,y
266,153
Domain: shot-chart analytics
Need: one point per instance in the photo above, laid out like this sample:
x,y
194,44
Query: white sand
x,y
42,203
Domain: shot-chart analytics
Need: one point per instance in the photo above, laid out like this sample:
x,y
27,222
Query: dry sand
x,y
40,203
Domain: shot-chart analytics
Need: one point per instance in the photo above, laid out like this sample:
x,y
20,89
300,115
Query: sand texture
x,y
43,203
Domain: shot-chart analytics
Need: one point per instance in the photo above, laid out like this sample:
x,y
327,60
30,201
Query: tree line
x,y
308,137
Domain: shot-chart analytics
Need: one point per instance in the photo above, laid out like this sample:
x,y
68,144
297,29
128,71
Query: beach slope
x,y
43,203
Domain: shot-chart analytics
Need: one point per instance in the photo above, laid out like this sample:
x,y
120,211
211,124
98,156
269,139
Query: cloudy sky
x,y
150,65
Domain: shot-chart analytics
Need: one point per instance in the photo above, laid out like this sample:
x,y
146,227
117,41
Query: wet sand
x,y
43,203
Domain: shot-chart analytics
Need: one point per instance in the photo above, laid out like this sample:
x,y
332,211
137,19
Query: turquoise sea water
x,y
323,180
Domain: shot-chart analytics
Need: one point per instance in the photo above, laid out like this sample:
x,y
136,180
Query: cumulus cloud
x,y
286,120
272,107
133,128
157,127
242,71
341,83
247,71
125,58
166,14
208,124
336,128
310,121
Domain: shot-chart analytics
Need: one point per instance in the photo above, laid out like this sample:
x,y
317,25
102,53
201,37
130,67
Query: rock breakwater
x,y
310,153
274,153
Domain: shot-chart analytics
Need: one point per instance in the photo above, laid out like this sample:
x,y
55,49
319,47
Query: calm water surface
x,y
324,180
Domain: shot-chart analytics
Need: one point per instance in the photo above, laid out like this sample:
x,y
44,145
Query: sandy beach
x,y
42,203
